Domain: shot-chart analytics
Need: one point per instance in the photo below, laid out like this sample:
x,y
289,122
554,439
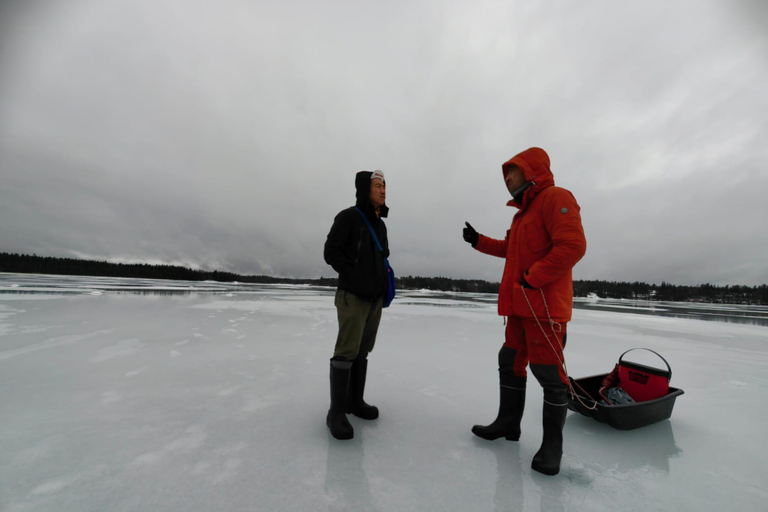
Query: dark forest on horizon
x,y
728,294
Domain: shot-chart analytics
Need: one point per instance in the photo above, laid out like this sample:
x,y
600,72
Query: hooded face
x,y
533,164
371,192
378,194
514,178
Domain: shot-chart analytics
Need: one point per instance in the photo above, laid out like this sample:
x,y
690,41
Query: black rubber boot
x,y
547,459
511,402
355,403
337,420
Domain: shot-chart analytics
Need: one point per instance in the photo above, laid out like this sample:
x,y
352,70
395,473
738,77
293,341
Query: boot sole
x,y
371,414
340,437
362,416
490,437
546,470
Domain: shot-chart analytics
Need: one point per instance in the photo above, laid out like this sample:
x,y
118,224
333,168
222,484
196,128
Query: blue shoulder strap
x,y
368,223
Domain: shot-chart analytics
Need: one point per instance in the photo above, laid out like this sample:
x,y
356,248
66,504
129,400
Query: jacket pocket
x,y
527,303
536,237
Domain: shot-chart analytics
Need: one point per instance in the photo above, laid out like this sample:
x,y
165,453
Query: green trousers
x,y
358,325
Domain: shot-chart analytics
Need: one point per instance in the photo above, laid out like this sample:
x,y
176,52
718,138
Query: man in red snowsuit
x,y
536,296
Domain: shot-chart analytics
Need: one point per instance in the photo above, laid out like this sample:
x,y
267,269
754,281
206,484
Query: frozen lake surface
x,y
142,395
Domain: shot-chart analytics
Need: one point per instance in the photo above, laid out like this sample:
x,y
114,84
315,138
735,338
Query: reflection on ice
x,y
647,448
346,483
735,313
55,284
509,492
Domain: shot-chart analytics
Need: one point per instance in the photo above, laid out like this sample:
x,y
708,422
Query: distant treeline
x,y
447,284
34,264
727,294
611,290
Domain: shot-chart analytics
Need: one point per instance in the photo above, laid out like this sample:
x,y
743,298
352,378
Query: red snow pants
x,y
532,346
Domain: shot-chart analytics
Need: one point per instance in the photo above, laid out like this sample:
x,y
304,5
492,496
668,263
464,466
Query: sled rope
x,y
552,325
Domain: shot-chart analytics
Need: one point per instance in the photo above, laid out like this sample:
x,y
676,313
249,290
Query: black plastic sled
x,y
621,417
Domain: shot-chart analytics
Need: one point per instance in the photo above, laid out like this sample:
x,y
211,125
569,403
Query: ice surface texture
x,y
214,398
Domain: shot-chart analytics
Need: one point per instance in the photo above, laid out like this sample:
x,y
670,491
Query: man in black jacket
x,y
351,250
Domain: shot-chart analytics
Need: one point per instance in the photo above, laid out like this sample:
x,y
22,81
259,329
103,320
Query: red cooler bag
x,y
642,382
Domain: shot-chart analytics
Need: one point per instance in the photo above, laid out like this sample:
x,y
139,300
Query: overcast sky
x,y
226,134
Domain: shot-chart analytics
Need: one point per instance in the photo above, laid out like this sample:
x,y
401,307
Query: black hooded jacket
x,y
351,250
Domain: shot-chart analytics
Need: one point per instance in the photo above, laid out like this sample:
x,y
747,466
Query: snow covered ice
x,y
140,395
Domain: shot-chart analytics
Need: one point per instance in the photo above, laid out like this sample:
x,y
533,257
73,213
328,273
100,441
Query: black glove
x,y
525,283
470,235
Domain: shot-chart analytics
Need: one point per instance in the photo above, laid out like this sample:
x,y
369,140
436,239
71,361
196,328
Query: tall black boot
x,y
547,459
337,420
511,402
355,403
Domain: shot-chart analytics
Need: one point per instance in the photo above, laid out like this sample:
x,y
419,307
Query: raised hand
x,y
470,235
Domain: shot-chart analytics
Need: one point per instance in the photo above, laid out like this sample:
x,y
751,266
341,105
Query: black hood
x,y
363,194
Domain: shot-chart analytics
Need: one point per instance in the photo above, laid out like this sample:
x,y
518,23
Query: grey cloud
x,y
227,135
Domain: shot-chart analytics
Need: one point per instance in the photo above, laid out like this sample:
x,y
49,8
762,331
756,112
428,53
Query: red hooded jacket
x,y
544,243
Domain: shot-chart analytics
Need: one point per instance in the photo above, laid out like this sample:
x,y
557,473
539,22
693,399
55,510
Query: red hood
x,y
535,165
